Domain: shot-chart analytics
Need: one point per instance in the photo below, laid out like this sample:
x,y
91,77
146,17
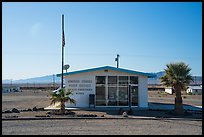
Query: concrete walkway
x,y
151,105
162,106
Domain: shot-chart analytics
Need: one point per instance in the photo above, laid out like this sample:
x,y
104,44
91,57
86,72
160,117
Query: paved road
x,y
102,127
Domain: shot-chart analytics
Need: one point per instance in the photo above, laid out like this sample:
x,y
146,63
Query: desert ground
x,y
102,127
28,99
163,97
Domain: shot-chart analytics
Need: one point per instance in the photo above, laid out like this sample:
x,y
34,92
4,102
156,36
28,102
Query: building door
x,y
133,95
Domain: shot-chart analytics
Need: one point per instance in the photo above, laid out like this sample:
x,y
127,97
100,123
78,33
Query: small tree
x,y
62,96
178,77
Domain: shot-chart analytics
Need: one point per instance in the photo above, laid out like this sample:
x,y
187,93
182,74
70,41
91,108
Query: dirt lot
x,y
162,97
25,99
101,127
38,98
28,99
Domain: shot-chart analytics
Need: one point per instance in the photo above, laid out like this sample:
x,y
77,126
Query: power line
x,y
131,55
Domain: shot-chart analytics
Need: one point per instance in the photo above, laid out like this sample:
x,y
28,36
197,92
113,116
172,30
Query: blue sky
x,y
147,36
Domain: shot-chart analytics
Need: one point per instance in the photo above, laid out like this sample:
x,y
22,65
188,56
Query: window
x,y
112,80
114,90
112,103
123,103
100,92
100,103
123,80
133,80
123,93
100,79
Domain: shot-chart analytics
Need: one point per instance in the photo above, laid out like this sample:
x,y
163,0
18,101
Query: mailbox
x,y
91,100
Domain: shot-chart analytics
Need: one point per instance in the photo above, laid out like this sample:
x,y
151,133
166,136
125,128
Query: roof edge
x,y
149,75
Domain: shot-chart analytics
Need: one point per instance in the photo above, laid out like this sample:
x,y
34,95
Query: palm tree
x,y
62,96
178,77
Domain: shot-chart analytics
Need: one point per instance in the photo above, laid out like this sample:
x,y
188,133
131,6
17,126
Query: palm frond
x,y
177,73
62,95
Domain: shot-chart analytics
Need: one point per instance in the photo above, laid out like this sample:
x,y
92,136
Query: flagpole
x,y
62,49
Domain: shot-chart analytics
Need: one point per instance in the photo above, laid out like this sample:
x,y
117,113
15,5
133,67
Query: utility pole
x,y
195,81
63,44
117,60
54,81
129,96
34,87
11,83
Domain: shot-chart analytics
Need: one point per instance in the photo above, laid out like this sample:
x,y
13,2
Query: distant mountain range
x,y
43,79
50,79
156,80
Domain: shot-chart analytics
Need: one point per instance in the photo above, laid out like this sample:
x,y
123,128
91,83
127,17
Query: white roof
x,y
195,87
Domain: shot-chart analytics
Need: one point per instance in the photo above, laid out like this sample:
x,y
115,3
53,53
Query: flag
x,y
63,39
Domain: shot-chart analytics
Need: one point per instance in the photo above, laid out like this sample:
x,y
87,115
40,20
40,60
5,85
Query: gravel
x,y
102,127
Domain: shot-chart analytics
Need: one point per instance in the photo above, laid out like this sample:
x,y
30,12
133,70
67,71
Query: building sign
x,y
80,85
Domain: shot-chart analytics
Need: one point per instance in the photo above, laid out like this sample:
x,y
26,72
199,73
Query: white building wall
x,y
82,90
194,90
81,86
143,93
168,90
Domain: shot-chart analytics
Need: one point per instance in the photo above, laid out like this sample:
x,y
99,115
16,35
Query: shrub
x,y
190,93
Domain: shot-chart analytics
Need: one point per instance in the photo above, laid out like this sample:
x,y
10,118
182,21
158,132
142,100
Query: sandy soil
x,y
27,99
162,97
101,127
